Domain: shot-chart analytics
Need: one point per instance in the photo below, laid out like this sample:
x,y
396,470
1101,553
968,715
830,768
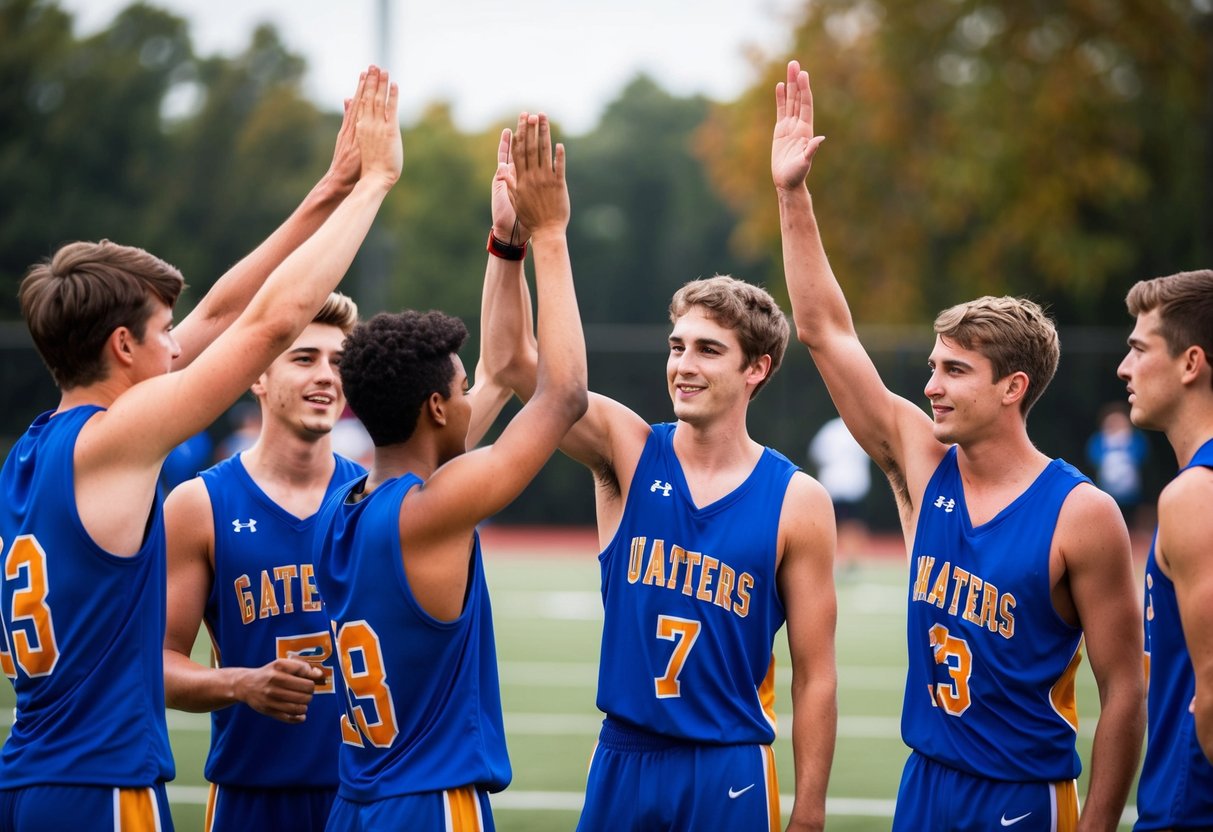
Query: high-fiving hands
x,y
377,128
537,189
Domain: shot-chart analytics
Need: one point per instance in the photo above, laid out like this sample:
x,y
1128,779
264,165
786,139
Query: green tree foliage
x,y
645,218
80,137
1060,150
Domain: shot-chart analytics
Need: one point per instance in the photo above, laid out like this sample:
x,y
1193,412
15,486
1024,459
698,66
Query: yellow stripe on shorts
x,y
462,809
135,810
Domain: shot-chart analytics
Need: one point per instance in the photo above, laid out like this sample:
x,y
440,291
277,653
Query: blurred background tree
x,y
1058,150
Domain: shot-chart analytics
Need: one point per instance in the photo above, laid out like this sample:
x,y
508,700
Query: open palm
x,y
793,144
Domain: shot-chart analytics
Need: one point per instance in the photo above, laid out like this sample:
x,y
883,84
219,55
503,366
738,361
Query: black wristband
x,y
504,250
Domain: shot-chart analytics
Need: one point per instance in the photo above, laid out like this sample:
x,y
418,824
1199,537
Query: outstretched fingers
x,y
503,147
559,166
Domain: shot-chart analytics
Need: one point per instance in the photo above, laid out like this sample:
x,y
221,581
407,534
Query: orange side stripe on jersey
x,y
766,693
135,811
212,799
772,782
1065,802
462,810
1062,692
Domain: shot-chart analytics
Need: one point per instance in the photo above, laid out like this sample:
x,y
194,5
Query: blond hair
x,y
1014,333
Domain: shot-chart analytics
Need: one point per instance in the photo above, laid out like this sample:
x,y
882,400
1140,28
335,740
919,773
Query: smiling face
x,y
301,389
966,399
705,372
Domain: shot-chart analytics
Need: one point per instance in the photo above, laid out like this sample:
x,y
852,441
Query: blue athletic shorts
x,y
455,810
646,782
84,809
229,809
942,799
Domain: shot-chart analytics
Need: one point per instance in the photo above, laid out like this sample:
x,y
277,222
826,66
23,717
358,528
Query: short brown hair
x,y
1185,308
761,327
1014,333
339,310
73,302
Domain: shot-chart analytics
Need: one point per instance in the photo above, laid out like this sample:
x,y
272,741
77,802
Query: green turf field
x,y
548,618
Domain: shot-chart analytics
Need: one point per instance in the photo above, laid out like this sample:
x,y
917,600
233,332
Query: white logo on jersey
x,y
739,792
1012,821
945,503
663,487
251,525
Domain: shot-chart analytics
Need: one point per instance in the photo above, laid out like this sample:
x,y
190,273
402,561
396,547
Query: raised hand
x,y
377,128
347,161
537,189
506,227
793,145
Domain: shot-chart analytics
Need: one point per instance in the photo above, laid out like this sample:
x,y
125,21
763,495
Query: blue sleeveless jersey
x,y
691,603
990,687
422,698
82,629
1176,785
264,605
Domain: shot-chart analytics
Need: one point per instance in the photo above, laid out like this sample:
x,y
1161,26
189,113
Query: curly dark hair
x,y
392,363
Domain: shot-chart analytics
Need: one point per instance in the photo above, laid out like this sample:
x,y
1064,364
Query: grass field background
x,y
548,617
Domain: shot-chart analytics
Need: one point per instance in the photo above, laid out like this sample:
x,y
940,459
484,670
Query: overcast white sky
x,y
492,58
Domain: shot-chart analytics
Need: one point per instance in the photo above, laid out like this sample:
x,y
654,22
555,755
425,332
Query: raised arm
x,y
806,587
893,431
1094,545
281,689
1185,528
120,451
505,304
497,474
233,291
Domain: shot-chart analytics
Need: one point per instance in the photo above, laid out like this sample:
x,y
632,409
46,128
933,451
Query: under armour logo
x,y
251,525
663,487
945,503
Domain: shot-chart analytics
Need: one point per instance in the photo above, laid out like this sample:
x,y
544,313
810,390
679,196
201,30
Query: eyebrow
x,y
700,342
950,362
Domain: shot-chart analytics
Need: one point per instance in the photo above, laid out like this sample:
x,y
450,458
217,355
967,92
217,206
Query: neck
x,y
1190,430
103,393
1000,458
718,445
391,461
289,458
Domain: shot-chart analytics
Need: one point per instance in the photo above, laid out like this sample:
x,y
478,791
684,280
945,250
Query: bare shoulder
x,y
188,520
1185,523
806,522
1090,526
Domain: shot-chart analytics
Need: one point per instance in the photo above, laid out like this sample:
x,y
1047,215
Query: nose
x,y
175,345
1122,372
933,388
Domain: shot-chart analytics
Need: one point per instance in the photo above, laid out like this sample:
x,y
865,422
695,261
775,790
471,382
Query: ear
x,y
1017,387
120,346
758,370
435,406
258,388
1195,364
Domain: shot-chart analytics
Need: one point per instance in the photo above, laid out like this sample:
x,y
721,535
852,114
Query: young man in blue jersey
x,y
710,543
1015,558
240,557
397,553
82,605
1169,372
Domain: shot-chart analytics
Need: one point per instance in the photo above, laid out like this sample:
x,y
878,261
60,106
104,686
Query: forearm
x,y
561,343
1115,752
819,307
189,686
814,728
232,292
